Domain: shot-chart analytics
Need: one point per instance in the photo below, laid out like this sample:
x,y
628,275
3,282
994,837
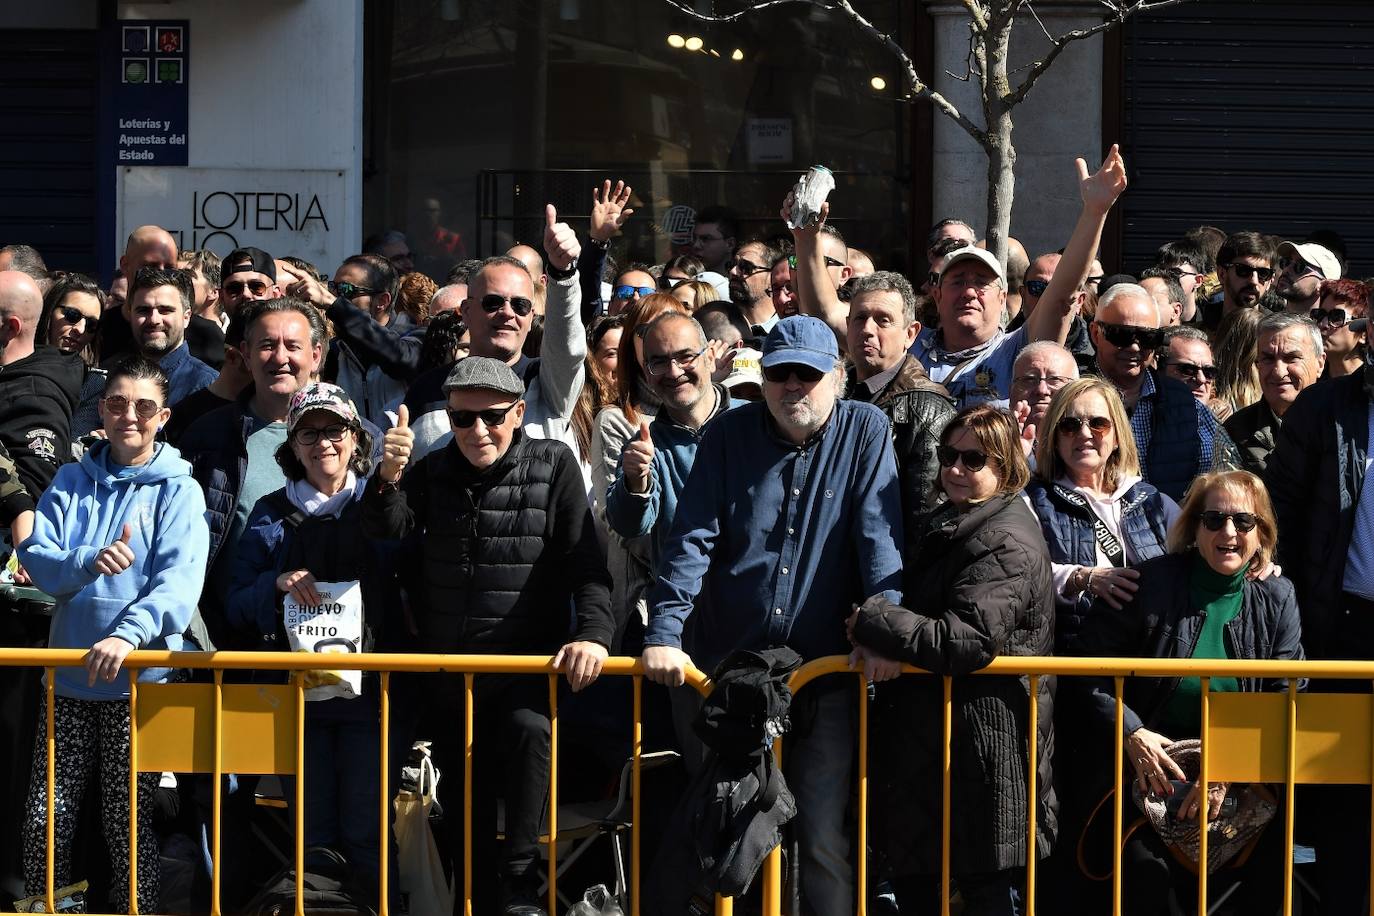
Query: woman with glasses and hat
x,y
978,586
1202,600
120,540
306,533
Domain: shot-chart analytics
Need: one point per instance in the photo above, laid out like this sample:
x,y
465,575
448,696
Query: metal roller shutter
x,y
1250,115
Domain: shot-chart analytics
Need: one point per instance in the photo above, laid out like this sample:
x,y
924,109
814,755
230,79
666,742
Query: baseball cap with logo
x,y
320,396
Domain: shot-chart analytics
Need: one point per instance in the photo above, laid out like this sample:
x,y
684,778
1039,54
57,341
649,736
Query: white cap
x,y
1318,256
981,255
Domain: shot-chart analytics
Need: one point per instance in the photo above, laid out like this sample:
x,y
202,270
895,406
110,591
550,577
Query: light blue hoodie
x,y
149,604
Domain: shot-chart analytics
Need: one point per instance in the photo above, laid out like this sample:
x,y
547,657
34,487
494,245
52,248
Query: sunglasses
x,y
1069,426
1122,336
629,292
257,287
1193,369
1299,267
782,372
667,283
779,289
1037,287
495,416
1215,521
744,268
76,316
311,435
117,404
1246,271
829,262
1335,318
658,365
1178,273
973,459
494,302
350,290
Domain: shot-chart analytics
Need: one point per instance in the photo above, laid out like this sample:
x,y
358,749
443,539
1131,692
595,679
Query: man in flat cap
x,y
505,546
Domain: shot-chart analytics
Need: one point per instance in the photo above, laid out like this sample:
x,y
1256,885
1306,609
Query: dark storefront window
x,y
480,111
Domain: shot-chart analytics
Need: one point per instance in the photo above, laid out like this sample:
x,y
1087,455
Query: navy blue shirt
x,y
185,374
782,539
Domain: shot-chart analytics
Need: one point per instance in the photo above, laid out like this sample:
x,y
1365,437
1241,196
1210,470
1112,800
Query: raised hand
x,y
397,445
560,242
809,231
118,557
305,287
638,460
1101,189
609,212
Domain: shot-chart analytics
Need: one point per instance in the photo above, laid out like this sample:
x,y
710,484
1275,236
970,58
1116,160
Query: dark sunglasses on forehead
x,y
1336,318
782,372
973,459
1246,271
1123,335
117,404
1215,521
350,290
1069,426
494,302
256,287
495,416
76,316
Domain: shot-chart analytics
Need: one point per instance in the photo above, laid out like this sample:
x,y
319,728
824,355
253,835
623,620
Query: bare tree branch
x,y
682,7
975,13
1121,10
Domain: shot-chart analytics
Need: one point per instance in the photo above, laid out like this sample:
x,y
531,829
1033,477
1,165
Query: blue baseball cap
x,y
801,340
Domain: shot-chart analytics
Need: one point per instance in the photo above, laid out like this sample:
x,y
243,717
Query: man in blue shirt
x,y
791,513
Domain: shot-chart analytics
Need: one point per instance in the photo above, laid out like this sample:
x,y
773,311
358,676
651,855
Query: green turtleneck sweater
x,y
1218,598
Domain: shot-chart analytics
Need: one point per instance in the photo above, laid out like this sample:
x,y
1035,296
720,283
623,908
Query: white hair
x,y
1045,348
1131,290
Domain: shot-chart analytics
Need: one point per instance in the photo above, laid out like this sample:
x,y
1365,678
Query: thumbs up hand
x,y
638,460
560,242
396,447
118,557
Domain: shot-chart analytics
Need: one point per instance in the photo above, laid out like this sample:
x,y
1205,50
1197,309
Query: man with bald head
x,y
1041,369
39,388
1176,435
534,263
147,246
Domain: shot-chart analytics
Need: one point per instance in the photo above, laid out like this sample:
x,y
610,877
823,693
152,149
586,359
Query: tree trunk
x,y
1001,185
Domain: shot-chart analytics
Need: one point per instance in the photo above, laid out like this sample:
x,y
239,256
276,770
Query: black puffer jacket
x,y
38,395
508,555
1162,623
980,587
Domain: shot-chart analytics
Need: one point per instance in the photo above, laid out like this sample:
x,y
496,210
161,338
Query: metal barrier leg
x,y
862,876
1290,779
1203,806
1120,779
553,793
636,786
772,866
51,677
216,797
1032,847
300,793
467,794
946,735
384,699
133,791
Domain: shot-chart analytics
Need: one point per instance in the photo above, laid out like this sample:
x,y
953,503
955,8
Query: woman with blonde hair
x,y
695,294
1238,382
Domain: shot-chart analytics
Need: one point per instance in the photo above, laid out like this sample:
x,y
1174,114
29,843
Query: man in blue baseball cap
x,y
790,515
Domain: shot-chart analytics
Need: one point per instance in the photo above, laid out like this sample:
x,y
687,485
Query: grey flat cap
x,y
485,373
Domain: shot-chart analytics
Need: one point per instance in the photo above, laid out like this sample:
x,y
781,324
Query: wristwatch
x,y
565,273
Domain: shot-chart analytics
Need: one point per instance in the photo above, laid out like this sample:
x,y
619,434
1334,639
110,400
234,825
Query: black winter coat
x,y
1162,623
979,585
509,560
38,395
1314,476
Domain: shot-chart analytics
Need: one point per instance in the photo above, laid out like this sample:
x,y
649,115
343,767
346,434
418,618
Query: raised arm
x,y
565,338
815,294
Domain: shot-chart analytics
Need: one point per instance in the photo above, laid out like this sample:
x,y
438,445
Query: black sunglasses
x,y
1037,287
1299,266
310,435
495,416
258,287
1069,426
494,302
348,290
1122,336
745,268
1334,317
1215,521
973,459
1246,271
782,372
829,261
1193,369
117,404
76,316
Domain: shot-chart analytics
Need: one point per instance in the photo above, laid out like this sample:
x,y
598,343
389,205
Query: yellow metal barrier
x,y
1286,737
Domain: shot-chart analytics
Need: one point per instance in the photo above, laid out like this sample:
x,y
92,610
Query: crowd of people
x,y
760,442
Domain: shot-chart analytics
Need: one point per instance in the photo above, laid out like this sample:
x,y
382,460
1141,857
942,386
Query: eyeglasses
x,y
309,435
1335,318
350,290
1069,426
658,365
117,404
495,416
744,268
1093,281
829,262
256,287
1122,336
1037,287
1299,267
76,316
781,373
780,288
1215,521
629,292
1035,381
494,302
973,459
1246,271
1193,369
1178,273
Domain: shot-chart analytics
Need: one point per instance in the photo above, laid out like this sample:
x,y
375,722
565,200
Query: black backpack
x,y
733,811
328,889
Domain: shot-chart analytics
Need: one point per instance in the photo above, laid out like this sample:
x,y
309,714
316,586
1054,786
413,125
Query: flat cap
x,y
485,373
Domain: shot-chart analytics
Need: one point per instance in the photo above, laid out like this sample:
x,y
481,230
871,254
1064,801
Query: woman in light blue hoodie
x,y
120,541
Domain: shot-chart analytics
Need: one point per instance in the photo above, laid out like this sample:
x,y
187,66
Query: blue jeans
x,y
818,764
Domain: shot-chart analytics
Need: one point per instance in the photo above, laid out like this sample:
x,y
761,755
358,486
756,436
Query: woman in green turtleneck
x,y
1205,599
